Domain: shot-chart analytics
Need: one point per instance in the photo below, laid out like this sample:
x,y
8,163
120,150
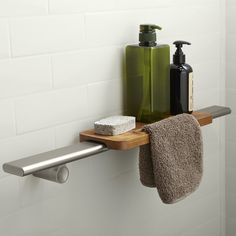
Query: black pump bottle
x,y
181,82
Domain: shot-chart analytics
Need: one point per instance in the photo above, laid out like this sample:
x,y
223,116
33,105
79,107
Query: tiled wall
x,y
60,69
230,121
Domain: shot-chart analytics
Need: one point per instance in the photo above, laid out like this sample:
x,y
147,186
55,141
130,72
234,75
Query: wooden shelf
x,y
135,137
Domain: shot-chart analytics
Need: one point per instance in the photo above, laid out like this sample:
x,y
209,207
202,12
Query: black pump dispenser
x,y
179,56
181,82
147,35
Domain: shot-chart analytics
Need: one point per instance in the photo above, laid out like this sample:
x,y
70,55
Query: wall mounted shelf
x,y
137,137
51,165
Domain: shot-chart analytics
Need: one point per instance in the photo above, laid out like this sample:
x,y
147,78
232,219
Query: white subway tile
x,y
193,3
230,49
211,163
230,226
25,145
230,19
87,66
139,4
206,75
7,119
33,190
46,34
230,74
61,232
123,194
187,16
126,24
68,6
210,228
230,127
42,217
9,192
230,100
4,39
205,97
68,134
230,152
23,7
135,4
51,108
105,97
124,27
74,6
230,120
230,3
231,203
25,75
207,44
202,210
103,170
230,182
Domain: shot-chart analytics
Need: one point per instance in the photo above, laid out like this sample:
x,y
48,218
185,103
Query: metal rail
x,y
56,158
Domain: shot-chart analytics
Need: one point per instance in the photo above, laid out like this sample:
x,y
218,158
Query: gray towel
x,y
172,162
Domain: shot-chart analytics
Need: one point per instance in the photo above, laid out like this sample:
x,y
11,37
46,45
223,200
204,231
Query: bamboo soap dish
x,y
135,137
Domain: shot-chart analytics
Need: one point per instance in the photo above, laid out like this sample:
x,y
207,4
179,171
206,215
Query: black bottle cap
x,y
147,35
179,57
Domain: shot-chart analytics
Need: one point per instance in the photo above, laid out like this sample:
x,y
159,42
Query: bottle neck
x,y
147,38
179,59
147,44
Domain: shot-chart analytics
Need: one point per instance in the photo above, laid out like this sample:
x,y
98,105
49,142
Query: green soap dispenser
x,y
147,90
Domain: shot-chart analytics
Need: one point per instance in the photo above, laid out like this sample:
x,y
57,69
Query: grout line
x,y
87,47
67,51
79,49
57,125
53,127
57,89
47,91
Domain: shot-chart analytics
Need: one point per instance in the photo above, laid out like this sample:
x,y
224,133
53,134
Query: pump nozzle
x,y
179,57
147,35
180,43
149,27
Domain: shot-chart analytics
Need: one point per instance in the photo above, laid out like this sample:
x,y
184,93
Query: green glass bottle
x,y
147,89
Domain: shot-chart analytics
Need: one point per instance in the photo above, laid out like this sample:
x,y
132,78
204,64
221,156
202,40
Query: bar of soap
x,y
114,125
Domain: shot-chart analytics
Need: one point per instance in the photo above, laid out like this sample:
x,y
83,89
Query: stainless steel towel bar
x,y
43,165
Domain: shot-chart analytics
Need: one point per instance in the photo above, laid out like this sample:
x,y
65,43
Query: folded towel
x,y
172,162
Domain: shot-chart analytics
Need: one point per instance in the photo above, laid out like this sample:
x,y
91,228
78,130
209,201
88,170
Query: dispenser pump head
x,y
147,35
179,57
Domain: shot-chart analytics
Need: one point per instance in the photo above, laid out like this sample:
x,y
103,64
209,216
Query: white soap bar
x,y
114,125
